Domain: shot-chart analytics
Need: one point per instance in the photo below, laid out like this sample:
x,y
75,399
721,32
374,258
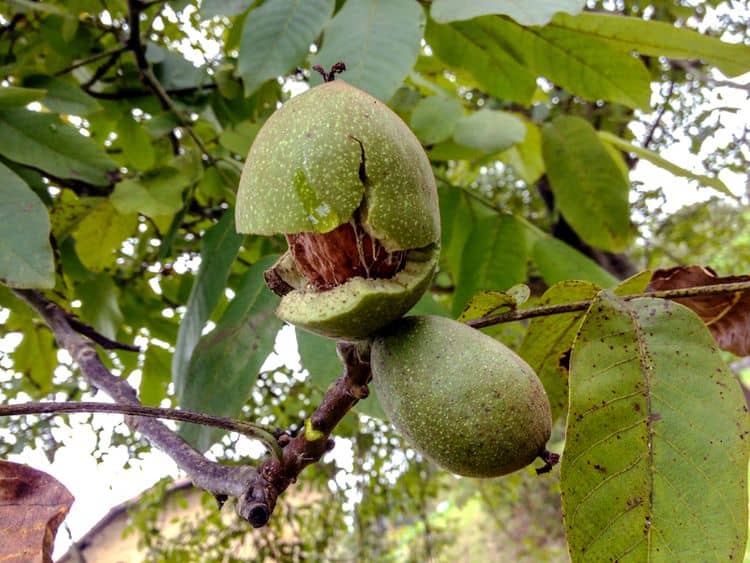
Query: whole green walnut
x,y
460,397
347,182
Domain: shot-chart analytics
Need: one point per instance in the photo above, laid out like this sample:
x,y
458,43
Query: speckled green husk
x,y
460,397
303,171
326,155
358,307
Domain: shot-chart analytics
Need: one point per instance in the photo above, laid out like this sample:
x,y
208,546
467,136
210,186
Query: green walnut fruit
x,y
347,182
460,397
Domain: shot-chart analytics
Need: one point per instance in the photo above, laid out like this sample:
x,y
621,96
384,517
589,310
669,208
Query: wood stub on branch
x,y
312,442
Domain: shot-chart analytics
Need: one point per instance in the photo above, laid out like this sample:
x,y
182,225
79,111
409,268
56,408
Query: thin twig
x,y
106,343
116,52
255,431
135,44
698,74
657,122
546,310
100,72
128,93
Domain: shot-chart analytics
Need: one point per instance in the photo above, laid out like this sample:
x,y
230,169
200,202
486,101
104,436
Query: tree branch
x,y
90,332
127,93
135,44
660,114
220,480
275,475
546,310
113,53
248,429
256,490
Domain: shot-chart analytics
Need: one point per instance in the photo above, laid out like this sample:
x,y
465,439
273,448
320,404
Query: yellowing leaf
x,y
100,234
659,39
656,452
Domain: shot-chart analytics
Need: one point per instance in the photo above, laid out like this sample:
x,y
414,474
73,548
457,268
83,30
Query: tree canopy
x,y
124,126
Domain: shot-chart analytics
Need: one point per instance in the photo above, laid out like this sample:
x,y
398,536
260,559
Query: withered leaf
x,y
32,506
726,315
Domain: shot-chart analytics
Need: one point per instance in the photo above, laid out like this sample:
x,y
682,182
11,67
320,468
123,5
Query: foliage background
x,y
130,159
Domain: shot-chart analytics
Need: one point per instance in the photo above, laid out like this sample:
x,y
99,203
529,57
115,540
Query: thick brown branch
x,y
546,310
274,476
218,479
255,431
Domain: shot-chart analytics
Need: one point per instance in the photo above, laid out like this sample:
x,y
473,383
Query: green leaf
x,y
450,150
218,250
99,305
456,219
494,258
558,261
486,302
36,358
489,130
277,36
101,233
468,49
663,163
68,211
379,40
15,97
546,345
636,283
211,8
173,70
434,119
585,65
33,6
136,143
154,195
239,138
526,157
25,252
225,363
589,189
212,187
155,376
656,455
525,13
63,96
319,358
42,140
428,305
656,38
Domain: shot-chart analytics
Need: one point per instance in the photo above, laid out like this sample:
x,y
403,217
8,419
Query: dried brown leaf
x,y
32,506
726,315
